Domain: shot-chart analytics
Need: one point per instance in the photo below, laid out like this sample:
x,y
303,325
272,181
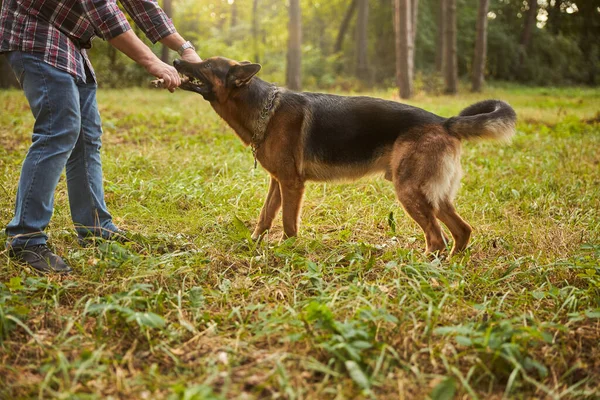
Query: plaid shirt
x,y
61,30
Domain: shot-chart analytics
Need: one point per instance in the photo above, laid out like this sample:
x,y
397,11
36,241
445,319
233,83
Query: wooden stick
x,y
157,83
160,83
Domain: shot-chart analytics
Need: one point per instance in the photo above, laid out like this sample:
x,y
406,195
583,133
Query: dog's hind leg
x,y
461,230
426,172
269,210
291,196
418,208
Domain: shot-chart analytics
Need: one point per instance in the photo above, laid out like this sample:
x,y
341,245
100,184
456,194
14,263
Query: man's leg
x,y
54,101
84,171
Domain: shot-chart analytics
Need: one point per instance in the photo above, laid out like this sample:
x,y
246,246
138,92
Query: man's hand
x,y
191,56
167,73
135,49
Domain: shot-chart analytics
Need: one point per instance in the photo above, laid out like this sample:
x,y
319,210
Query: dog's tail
x,y
489,119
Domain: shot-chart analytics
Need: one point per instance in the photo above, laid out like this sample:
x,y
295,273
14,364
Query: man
x,y
45,42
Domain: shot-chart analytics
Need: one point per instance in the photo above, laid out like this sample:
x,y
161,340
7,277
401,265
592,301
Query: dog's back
x,y
357,129
347,137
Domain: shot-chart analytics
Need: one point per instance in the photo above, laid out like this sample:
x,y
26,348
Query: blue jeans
x,y
67,134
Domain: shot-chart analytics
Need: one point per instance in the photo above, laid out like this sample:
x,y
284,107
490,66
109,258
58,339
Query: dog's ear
x,y
240,75
245,62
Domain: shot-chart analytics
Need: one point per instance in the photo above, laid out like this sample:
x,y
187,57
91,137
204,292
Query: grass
x,y
350,309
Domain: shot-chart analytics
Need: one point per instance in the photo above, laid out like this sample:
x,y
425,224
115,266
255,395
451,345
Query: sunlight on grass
x,y
351,308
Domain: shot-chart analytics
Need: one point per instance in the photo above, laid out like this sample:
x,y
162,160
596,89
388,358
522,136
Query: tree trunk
x,y
450,59
232,23
112,56
344,27
530,20
255,38
480,47
588,40
234,15
7,77
414,8
294,59
554,17
404,39
440,53
164,55
362,66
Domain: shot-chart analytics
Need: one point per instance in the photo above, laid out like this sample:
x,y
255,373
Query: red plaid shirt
x,y
61,30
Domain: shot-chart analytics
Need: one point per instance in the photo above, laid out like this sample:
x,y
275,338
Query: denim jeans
x,y
67,134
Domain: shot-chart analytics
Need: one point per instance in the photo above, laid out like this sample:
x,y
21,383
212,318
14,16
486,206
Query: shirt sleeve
x,y
106,17
151,19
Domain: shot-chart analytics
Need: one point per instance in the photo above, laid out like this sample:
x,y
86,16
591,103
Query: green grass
x,y
350,309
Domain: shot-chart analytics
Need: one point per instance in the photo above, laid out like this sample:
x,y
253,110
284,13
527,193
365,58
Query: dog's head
x,y
216,78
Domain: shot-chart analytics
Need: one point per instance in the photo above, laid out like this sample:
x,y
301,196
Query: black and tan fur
x,y
323,137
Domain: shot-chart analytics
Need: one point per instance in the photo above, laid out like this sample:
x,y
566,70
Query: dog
x,y
302,136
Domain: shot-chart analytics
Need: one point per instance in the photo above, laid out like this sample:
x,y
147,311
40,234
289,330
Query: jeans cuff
x,y
105,232
19,242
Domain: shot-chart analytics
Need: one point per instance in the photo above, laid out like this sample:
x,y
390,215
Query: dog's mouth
x,y
193,83
193,80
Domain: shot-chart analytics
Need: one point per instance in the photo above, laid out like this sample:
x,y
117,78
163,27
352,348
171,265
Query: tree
x,y
294,57
480,47
530,21
255,30
232,23
362,65
588,39
164,56
553,23
414,11
524,43
403,17
234,16
344,26
440,44
451,75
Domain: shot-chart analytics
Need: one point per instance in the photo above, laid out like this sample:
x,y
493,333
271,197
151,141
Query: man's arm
x,y
157,26
111,23
135,49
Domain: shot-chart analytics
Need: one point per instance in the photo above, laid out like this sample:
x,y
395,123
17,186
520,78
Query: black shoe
x,y
40,258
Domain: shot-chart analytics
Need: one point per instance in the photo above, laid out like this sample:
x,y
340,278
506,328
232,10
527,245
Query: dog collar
x,y
263,121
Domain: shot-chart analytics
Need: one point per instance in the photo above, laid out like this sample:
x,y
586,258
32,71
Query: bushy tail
x,y
489,119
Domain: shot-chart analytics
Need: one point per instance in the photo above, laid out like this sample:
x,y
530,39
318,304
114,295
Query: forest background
x,y
350,44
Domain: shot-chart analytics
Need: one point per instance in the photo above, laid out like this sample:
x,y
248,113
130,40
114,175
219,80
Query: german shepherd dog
x,y
299,137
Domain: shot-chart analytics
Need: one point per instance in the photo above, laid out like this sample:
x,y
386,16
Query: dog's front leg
x,y
291,196
269,210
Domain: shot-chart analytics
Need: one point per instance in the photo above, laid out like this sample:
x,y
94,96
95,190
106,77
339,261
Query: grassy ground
x,y
351,309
